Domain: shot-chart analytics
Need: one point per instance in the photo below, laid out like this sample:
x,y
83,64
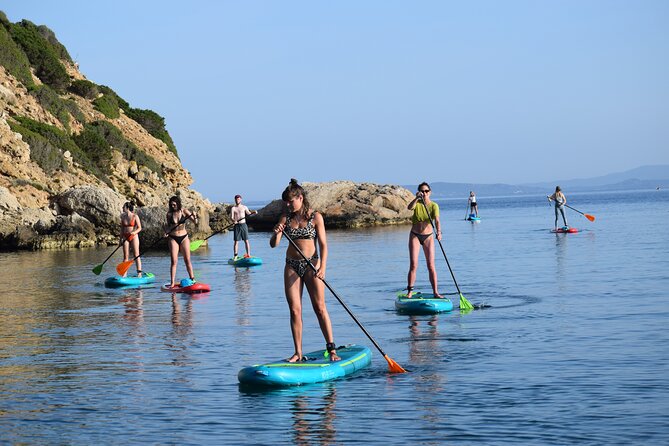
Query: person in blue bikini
x,y
421,234
178,238
307,229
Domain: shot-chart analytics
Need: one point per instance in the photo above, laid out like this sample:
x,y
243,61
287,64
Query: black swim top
x,y
306,233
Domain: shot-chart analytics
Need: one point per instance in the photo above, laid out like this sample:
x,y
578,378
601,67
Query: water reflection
x,y
315,424
134,312
561,259
425,349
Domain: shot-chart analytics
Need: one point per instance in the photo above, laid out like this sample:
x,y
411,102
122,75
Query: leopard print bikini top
x,y
306,233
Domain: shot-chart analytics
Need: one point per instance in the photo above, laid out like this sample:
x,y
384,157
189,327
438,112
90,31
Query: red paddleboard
x,y
197,287
564,231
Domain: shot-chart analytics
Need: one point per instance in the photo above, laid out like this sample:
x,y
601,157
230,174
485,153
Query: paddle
x,y
197,243
588,216
392,365
466,210
464,303
123,267
98,269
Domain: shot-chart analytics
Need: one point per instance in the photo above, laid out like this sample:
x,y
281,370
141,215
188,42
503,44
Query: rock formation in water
x,y
345,204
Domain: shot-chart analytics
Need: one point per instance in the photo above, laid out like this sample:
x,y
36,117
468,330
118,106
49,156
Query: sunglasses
x,y
425,190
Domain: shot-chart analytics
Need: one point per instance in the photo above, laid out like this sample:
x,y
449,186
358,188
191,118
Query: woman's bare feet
x,y
333,356
294,358
438,296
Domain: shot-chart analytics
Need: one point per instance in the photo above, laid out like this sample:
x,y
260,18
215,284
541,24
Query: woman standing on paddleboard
x,y
421,234
306,228
130,228
473,206
560,201
178,238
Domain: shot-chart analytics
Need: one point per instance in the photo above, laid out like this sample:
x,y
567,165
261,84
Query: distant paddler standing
x,y
473,206
238,214
560,202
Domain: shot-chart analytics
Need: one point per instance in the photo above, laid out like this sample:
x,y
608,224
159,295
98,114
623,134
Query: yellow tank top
x,y
420,215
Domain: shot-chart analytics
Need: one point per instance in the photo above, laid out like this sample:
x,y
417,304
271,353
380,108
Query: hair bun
x,y
293,182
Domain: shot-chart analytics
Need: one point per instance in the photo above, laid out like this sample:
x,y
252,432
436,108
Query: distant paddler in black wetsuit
x,y
130,229
306,228
422,235
178,238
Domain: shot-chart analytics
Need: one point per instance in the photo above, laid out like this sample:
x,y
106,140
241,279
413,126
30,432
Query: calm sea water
x,y
573,350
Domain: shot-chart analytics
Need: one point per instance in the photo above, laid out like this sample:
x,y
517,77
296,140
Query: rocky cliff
x,y
72,152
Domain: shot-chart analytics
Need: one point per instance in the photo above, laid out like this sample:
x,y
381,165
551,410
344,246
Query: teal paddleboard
x,y
473,217
317,368
129,281
245,261
422,303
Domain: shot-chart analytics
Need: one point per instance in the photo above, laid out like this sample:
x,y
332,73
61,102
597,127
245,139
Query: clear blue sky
x,y
255,93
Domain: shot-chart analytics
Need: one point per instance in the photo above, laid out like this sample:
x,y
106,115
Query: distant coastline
x,y
641,178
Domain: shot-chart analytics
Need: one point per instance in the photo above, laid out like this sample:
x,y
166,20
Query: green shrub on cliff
x,y
95,146
13,58
107,105
154,124
49,157
59,140
85,89
55,104
115,139
43,56
53,42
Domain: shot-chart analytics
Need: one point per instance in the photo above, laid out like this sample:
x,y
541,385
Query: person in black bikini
x,y
130,229
305,227
421,235
178,237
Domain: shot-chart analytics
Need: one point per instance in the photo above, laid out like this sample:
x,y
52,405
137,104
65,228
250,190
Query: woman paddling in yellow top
x,y
421,235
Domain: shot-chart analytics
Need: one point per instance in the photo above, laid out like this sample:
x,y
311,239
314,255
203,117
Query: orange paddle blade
x,y
590,217
393,366
123,267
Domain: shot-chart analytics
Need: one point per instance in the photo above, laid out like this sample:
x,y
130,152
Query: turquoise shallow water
x,y
574,349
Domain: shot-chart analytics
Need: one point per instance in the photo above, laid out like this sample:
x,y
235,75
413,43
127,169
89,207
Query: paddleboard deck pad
x,y
564,230
245,261
316,368
129,281
422,303
197,287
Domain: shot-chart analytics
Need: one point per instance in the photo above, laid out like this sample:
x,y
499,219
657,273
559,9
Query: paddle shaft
x,y
434,228
110,255
153,245
226,228
574,209
311,265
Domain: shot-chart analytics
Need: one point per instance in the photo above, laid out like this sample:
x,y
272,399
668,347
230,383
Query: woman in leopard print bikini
x,y
307,229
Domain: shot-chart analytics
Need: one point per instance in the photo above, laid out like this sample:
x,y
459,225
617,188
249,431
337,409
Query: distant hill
x,y
644,177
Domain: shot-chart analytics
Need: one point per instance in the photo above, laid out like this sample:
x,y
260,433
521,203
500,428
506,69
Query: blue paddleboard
x,y
422,303
245,261
316,368
119,282
473,217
